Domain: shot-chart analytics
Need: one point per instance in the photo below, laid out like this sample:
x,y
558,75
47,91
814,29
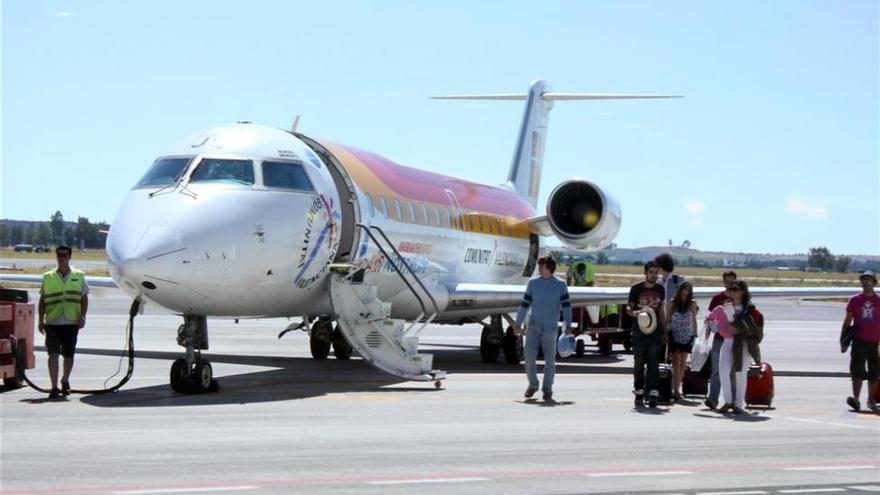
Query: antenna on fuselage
x,y
295,125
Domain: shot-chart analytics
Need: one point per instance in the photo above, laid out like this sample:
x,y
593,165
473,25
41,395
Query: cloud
x,y
695,210
694,207
810,210
65,14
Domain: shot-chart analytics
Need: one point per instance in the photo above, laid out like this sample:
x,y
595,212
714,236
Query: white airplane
x,y
247,221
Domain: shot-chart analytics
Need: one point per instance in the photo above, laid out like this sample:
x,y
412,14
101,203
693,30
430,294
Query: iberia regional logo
x,y
320,241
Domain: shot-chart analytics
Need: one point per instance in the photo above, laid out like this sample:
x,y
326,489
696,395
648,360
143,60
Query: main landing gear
x,y
323,336
193,374
495,340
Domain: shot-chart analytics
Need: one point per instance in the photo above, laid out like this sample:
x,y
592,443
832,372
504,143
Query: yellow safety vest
x,y
608,310
63,298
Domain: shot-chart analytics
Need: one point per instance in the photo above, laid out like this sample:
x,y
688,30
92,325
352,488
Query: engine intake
x,y
583,216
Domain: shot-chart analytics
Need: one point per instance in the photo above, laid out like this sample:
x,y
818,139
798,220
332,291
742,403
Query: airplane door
x,y
458,217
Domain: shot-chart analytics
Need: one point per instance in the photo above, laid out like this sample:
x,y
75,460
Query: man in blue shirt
x,y
545,296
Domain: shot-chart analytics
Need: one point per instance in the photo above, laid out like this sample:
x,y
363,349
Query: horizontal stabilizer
x,y
555,96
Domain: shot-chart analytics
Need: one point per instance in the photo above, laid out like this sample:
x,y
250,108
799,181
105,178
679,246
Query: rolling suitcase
x,y
664,383
759,389
693,383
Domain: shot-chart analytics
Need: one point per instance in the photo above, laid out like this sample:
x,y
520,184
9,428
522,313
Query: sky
x,y
773,149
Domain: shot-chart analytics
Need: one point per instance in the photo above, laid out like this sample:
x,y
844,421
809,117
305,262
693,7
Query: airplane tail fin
x,y
528,155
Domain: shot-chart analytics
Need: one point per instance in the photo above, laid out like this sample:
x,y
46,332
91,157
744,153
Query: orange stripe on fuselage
x,y
378,175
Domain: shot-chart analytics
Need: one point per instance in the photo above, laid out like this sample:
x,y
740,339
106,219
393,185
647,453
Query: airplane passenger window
x,y
164,171
425,214
475,222
437,216
412,211
371,208
493,227
397,209
222,170
447,219
383,206
285,175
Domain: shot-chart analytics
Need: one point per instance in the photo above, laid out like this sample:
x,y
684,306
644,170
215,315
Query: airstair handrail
x,y
413,273
397,269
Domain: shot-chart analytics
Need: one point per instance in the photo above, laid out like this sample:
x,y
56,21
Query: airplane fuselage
x,y
245,221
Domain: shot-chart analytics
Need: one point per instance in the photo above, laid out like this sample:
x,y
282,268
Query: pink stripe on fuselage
x,y
421,185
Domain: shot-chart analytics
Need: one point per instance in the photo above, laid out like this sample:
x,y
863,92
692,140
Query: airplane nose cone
x,y
141,258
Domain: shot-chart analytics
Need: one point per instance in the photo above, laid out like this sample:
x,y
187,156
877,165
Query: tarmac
x,y
284,423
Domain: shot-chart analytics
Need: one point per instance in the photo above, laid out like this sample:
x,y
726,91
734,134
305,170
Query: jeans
x,y
715,382
733,394
543,336
646,352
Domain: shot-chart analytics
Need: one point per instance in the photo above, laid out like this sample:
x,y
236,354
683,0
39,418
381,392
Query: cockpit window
x,y
165,171
222,170
285,175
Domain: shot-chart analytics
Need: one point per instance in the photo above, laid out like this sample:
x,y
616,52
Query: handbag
x,y
847,338
702,348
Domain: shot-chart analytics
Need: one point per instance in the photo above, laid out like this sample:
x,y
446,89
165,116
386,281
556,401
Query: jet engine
x,y
583,216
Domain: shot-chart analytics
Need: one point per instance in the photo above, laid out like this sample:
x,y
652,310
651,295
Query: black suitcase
x,y
13,295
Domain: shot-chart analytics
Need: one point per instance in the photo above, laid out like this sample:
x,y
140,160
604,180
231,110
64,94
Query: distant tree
x,y
820,257
56,225
4,234
686,244
842,263
31,233
601,259
670,242
44,234
16,234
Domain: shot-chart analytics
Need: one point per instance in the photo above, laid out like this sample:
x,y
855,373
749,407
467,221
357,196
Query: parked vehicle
x,y
27,248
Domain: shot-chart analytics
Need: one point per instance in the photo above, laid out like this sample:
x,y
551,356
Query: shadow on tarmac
x,y
303,378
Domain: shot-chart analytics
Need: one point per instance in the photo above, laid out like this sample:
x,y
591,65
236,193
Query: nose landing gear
x,y
193,375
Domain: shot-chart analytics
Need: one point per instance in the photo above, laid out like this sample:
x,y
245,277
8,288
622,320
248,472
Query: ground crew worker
x,y
62,313
581,275
545,297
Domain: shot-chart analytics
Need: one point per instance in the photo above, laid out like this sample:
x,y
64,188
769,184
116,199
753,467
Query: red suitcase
x,y
694,384
759,390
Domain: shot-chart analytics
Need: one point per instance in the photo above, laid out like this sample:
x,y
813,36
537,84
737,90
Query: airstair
x,y
386,343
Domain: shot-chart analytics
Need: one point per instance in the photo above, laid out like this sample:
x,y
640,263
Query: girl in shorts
x,y
682,317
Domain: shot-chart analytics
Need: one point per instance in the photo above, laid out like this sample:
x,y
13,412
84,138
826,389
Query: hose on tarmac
x,y
129,350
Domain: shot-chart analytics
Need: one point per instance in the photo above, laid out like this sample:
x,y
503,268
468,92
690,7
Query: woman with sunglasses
x,y
723,318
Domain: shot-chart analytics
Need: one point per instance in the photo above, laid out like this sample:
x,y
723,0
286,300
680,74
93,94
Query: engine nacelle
x,y
583,216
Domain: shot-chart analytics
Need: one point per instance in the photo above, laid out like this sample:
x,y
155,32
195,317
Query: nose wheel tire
x,y
180,376
204,375
186,379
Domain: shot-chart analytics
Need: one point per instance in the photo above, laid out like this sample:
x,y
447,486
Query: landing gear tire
x,y
488,351
320,337
627,345
320,348
341,348
605,345
513,347
203,376
180,379
580,348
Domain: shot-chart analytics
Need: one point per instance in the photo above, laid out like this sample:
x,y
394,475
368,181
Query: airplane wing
x,y
37,279
507,298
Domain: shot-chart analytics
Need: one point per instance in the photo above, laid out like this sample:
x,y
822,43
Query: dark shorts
x,y
61,339
679,347
864,362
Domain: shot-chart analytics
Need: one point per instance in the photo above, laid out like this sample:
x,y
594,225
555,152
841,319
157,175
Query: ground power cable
x,y
129,349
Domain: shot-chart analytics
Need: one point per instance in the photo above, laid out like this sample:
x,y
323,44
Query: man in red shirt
x,y
718,299
863,311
